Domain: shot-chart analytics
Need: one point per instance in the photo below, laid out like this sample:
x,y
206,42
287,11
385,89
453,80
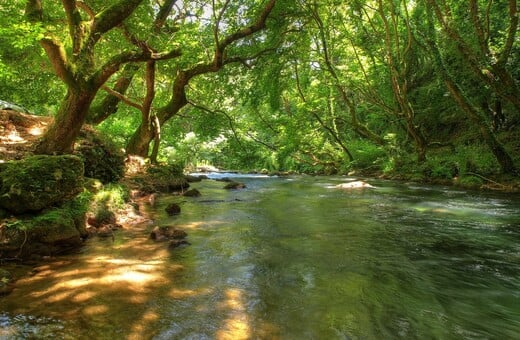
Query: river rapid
x,y
290,258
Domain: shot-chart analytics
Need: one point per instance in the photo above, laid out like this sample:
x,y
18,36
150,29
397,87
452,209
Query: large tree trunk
x,y
60,137
139,143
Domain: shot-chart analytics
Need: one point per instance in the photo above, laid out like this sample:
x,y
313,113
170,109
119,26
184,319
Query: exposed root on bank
x,y
497,184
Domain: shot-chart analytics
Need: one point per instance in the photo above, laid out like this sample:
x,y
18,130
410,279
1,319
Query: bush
x,y
367,155
439,168
470,181
106,202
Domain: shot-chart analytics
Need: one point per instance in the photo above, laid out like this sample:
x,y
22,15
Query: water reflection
x,y
296,259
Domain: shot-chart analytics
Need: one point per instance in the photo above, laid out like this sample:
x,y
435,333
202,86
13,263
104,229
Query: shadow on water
x,y
291,258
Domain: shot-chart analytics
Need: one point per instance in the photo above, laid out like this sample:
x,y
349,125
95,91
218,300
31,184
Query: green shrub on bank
x,y
367,156
106,202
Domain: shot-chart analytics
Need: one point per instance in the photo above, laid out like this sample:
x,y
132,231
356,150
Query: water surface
x,y
291,258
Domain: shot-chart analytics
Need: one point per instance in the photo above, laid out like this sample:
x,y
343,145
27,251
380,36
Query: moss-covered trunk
x,y
60,137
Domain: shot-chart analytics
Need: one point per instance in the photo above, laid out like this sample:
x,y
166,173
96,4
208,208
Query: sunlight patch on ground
x,y
83,296
35,131
131,275
95,310
14,137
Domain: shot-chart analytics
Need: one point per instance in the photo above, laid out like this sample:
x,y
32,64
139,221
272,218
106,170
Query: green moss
x,y
162,178
103,160
38,182
106,202
113,195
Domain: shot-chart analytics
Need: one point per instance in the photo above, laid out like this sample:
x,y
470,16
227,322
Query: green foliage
x,y
112,195
324,76
436,168
367,156
105,203
476,158
470,181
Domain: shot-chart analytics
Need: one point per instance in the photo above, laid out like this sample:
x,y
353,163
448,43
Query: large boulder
x,y
51,232
39,182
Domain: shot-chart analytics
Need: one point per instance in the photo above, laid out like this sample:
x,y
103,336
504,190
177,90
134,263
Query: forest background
x,y
417,89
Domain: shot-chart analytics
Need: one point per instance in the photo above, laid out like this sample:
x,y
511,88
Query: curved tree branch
x,y
87,9
112,17
58,58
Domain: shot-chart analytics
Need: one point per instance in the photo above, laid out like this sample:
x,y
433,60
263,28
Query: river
x,y
290,258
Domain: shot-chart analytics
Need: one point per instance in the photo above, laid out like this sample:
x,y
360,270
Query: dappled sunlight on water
x,y
236,325
108,285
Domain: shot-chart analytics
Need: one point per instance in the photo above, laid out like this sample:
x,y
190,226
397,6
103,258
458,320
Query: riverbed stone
x,y
50,232
164,233
191,193
193,179
173,209
39,182
177,243
234,185
354,185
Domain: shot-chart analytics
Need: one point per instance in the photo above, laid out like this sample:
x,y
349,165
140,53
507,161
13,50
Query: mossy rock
x,y
234,185
192,193
39,182
54,227
164,178
102,159
50,232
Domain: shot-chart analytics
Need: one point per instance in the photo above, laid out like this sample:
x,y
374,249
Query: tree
x,y
77,62
140,142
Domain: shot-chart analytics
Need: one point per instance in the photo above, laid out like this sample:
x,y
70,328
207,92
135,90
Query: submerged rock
x,y
165,233
234,185
177,243
173,209
39,182
192,193
224,179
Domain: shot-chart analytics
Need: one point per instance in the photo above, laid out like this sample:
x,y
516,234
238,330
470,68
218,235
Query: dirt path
x,y
18,133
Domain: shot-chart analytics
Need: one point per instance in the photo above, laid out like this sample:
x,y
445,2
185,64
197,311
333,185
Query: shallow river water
x,y
290,258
